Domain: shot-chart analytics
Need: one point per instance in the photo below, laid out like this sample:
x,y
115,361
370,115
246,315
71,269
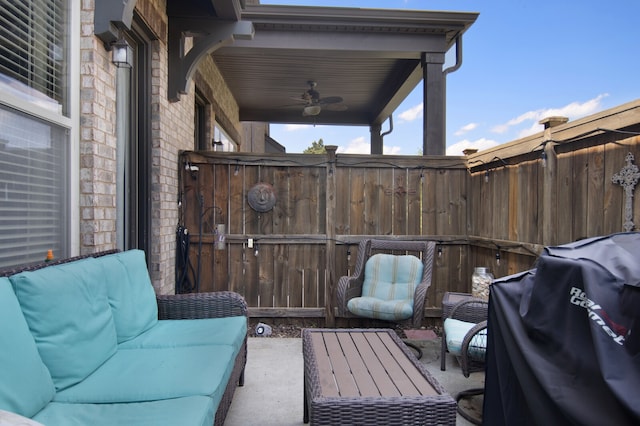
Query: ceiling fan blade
x,y
336,107
330,100
299,99
290,105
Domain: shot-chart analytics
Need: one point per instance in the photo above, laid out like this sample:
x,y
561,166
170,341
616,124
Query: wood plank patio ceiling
x,y
369,57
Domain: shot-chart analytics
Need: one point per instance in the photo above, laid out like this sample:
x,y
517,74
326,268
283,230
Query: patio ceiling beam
x,y
341,44
397,93
385,20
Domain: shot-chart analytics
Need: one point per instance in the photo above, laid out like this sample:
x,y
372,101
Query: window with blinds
x,y
34,153
33,188
33,50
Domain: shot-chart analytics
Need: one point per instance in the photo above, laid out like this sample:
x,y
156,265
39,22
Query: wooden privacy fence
x,y
551,188
497,208
286,260
518,196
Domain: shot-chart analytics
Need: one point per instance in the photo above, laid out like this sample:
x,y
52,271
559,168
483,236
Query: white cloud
x,y
411,114
527,116
464,129
360,146
576,110
479,144
534,128
356,146
391,150
572,111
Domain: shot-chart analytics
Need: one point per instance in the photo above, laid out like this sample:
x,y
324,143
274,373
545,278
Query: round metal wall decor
x,y
261,197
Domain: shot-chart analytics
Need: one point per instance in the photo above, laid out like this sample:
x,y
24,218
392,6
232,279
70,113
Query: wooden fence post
x,y
549,185
331,235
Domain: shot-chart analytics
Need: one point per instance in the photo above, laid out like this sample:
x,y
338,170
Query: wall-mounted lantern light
x,y
121,54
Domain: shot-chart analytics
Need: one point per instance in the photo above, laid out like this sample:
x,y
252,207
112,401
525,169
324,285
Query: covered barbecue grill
x,y
564,338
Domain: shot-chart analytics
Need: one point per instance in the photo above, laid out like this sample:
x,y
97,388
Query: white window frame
x,y
222,141
71,123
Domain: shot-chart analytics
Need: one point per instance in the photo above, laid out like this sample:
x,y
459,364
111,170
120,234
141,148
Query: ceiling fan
x,y
313,103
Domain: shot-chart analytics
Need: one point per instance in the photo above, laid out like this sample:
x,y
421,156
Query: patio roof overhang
x,y
371,58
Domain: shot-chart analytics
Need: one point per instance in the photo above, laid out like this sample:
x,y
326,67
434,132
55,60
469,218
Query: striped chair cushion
x,y
389,285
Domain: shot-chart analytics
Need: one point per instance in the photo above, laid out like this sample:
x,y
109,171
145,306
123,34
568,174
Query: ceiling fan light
x,y
311,110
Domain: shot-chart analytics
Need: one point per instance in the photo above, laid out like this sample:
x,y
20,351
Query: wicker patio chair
x,y
350,287
465,336
474,310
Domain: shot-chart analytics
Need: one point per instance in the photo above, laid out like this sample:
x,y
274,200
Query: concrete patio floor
x,y
272,393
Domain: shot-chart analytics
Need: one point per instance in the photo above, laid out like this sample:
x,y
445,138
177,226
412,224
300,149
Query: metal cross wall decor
x,y
628,178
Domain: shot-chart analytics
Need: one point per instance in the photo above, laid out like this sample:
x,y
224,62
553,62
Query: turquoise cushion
x,y
388,288
390,277
390,310
25,384
189,411
137,375
455,330
131,295
68,313
192,332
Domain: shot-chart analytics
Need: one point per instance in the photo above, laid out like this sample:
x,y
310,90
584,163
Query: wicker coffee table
x,y
368,376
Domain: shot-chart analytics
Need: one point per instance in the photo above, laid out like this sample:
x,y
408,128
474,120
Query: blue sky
x,y
523,60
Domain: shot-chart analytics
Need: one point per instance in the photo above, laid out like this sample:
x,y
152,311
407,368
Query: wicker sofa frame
x,y
183,306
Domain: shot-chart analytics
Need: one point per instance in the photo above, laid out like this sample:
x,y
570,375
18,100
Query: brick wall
x,y
224,107
97,148
172,130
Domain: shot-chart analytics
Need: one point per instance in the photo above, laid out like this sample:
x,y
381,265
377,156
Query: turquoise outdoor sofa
x,y
86,341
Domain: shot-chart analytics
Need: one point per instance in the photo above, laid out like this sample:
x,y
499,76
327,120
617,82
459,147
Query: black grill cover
x,y
564,338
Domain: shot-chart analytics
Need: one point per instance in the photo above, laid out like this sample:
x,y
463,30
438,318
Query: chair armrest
x,y
201,305
471,355
348,288
470,310
419,297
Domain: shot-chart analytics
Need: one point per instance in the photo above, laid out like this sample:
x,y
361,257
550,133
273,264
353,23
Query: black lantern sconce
x,y
121,54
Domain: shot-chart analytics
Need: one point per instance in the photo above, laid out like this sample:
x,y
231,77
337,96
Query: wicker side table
x,y
368,376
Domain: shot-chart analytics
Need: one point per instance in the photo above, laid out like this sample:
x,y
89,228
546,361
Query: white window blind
x,y
33,187
34,153
33,50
